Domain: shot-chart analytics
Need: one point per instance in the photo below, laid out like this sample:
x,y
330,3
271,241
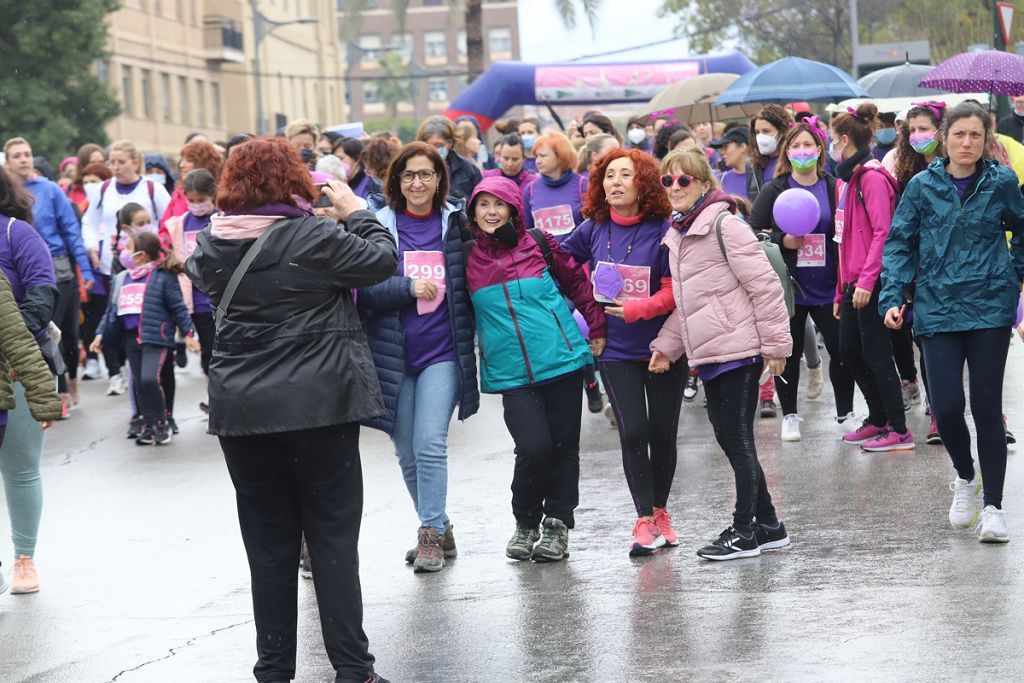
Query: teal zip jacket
x,y
967,278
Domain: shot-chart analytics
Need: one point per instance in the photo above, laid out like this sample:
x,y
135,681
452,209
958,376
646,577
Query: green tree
x,y
48,92
393,86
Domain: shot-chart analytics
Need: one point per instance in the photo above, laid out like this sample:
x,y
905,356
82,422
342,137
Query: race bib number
x,y
840,216
556,220
129,300
635,284
425,265
190,242
812,254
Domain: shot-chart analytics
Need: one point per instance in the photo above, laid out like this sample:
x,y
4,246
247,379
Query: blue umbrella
x,y
792,79
898,81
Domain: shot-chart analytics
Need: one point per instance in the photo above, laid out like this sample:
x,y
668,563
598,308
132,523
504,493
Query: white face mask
x,y
636,135
767,144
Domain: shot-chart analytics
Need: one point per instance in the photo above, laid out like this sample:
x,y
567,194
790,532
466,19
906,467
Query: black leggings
x,y
903,353
838,373
65,316
544,421
732,404
865,346
147,362
985,354
646,408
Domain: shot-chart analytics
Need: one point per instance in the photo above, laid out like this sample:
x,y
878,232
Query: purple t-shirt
x,y
428,337
530,164
545,195
710,371
769,170
3,418
25,259
200,302
735,183
963,185
817,282
589,244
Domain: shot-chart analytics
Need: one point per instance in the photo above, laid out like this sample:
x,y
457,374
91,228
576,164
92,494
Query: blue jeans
x,y
425,405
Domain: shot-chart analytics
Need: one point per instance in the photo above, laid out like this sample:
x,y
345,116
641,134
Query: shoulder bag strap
x,y
542,241
718,232
241,270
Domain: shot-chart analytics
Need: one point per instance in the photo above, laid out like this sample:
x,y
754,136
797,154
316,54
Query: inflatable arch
x,y
506,84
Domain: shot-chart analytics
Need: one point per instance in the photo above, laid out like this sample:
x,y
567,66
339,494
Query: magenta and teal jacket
x,y
525,330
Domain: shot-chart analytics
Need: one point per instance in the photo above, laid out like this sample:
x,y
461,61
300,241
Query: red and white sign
x,y
190,242
627,82
636,282
812,254
427,265
556,220
129,300
1005,10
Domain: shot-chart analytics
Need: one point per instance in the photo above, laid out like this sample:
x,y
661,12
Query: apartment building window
x,y
165,97
460,43
435,46
183,99
500,40
215,104
200,103
370,50
406,44
437,89
147,93
127,93
370,93
102,70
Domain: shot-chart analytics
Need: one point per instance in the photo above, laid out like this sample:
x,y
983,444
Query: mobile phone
x,y
322,200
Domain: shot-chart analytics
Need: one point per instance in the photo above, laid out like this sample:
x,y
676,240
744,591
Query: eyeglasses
x,y
682,179
425,176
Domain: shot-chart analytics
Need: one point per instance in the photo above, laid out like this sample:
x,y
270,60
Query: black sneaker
x,y
180,356
1010,438
690,390
731,545
147,437
163,433
595,403
768,408
770,537
135,427
173,425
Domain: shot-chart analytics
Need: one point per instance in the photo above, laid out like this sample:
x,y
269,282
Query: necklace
x,y
629,249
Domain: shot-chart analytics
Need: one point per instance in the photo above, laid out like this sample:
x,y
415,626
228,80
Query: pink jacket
x,y
870,203
728,310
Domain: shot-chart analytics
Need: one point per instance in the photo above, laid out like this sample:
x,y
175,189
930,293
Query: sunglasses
x,y
683,180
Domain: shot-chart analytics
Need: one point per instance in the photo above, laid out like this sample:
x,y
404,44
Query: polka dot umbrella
x,y
991,71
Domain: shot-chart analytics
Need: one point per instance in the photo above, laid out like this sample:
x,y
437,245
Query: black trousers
x,y
838,373
147,362
903,353
866,348
286,485
984,352
65,316
646,408
206,331
544,421
732,405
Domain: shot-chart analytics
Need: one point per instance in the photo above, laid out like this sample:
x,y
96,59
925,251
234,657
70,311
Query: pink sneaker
x,y
663,520
646,538
890,441
866,432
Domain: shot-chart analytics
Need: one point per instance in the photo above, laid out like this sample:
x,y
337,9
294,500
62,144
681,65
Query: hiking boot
x,y
554,542
429,556
447,546
520,546
595,402
24,578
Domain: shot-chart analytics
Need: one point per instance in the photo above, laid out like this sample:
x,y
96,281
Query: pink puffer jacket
x,y
727,310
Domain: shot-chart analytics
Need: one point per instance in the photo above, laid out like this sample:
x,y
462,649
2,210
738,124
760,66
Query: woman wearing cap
x,y
733,148
766,131
533,354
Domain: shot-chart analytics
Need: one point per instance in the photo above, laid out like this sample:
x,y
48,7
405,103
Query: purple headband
x,y
811,124
853,112
937,108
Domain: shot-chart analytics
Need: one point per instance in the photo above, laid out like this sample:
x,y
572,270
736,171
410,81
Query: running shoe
x,y
520,546
768,408
846,421
204,407
163,433
447,546
731,545
771,536
933,438
791,427
891,440
429,556
180,357
866,432
646,538
993,527
554,542
147,437
690,390
118,386
173,425
24,578
911,393
609,413
663,521
595,402
815,382
1010,438
92,369
135,426
963,513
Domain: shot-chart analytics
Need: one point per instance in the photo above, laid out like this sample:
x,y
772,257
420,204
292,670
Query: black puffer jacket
x,y
761,220
291,353
464,176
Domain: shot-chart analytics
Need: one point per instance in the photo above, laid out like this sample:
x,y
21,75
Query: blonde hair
x,y
300,126
128,148
693,162
13,142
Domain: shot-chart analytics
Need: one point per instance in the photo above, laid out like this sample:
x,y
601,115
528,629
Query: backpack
x,y
774,254
149,186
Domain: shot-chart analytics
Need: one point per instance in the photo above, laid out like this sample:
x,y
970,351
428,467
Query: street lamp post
x,y
261,28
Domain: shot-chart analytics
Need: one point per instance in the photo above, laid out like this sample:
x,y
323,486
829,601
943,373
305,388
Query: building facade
x,y
428,57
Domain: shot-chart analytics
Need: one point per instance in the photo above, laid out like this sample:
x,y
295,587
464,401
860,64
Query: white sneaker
x,y
993,526
815,383
847,423
92,369
791,427
118,387
963,513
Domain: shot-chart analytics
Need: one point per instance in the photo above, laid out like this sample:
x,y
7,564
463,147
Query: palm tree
x,y
393,86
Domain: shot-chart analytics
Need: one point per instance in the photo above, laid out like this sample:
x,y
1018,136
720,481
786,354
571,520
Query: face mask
x,y
924,143
481,155
528,141
885,136
636,135
148,227
200,209
803,159
507,235
767,144
836,154
307,155
156,178
443,152
127,260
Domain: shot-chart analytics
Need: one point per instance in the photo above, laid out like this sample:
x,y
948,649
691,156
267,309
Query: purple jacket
x,y
25,260
523,180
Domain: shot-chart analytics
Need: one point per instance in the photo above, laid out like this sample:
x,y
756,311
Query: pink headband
x,y
811,124
853,112
937,108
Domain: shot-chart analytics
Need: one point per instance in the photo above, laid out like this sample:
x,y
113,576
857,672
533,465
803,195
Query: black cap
x,y
737,135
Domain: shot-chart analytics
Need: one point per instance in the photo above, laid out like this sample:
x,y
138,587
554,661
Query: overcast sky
x,y
621,24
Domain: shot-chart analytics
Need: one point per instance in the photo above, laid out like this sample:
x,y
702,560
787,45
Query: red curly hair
x,y
651,196
263,171
203,155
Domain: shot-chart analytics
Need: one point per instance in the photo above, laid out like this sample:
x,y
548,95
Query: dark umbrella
x,y
991,71
898,81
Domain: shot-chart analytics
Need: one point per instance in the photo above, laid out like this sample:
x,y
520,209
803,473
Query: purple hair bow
x,y
937,108
853,112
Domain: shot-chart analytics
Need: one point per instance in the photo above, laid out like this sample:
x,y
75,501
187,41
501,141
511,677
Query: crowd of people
x,y
556,267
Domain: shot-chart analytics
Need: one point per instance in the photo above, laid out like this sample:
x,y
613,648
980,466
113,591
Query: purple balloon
x,y
796,212
1020,312
582,324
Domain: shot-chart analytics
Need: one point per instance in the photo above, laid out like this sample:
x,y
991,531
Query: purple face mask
x,y
127,260
608,281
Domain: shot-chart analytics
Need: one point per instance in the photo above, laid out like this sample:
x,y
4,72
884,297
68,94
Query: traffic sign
x,y
1005,10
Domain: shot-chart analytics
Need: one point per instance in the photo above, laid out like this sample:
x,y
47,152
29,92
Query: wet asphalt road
x,y
144,576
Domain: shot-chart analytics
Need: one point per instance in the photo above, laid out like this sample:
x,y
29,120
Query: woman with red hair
x,y
290,381
627,211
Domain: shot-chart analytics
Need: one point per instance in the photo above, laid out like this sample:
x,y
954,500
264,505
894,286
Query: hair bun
x,y
867,111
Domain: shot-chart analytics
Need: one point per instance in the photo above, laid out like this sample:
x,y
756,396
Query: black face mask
x,y
507,235
307,155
